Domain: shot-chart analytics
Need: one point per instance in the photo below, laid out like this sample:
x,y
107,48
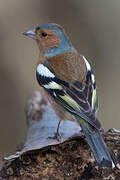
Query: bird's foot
x,y
56,136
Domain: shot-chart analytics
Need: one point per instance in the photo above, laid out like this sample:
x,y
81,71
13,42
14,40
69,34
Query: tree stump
x,y
43,157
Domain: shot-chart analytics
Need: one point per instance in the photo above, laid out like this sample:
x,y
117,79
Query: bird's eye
x,y
44,34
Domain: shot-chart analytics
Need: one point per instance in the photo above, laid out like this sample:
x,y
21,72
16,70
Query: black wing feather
x,y
80,93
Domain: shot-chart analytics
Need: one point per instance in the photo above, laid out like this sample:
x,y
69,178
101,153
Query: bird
x,y
69,83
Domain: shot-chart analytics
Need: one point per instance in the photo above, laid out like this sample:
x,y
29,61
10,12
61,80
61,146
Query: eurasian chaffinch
x,y
70,85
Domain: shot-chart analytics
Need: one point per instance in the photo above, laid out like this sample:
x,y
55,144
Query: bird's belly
x,y
60,111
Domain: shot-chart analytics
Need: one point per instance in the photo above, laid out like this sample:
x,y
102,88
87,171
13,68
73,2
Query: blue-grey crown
x,y
65,44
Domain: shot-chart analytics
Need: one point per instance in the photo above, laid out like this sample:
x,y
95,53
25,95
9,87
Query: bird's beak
x,y
30,34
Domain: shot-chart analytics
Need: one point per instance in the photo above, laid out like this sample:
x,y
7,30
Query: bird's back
x,y
64,66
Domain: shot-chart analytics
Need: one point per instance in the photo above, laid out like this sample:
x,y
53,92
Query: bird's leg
x,y
57,135
57,131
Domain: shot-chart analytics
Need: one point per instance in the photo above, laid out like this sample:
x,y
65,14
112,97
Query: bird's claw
x,y
56,136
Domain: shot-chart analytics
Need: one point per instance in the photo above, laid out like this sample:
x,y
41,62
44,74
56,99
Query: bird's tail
x,y
98,147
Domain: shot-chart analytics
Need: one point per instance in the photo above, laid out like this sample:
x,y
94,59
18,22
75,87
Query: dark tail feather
x,y
99,148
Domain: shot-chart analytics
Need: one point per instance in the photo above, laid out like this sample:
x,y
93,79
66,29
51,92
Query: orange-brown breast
x,y
41,59
69,66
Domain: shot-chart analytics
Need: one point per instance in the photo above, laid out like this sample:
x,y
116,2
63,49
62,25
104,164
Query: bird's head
x,y
51,39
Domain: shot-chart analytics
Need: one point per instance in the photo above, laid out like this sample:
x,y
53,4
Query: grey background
x,y
93,27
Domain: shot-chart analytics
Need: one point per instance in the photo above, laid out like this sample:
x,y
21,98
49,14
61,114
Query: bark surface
x,y
67,159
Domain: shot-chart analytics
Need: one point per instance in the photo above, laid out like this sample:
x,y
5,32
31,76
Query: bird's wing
x,y
77,98
90,88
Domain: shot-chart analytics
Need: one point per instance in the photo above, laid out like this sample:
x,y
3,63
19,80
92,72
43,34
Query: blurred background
x,y
93,27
